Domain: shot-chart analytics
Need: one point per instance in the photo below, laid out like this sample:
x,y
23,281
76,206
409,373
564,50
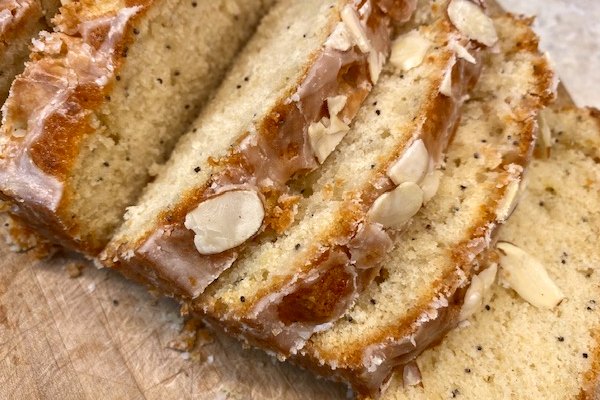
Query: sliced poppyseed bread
x,y
529,349
20,21
282,109
287,288
105,97
417,297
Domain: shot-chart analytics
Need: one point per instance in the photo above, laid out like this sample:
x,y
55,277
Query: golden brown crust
x,y
53,135
56,150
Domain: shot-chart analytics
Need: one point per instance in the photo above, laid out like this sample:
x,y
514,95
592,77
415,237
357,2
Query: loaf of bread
x,y
103,99
516,349
20,21
306,279
418,294
281,111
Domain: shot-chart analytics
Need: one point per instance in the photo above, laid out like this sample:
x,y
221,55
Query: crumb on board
x,y
192,335
74,270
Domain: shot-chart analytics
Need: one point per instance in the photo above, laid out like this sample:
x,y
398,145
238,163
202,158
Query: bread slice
x,y
105,97
307,70
511,349
20,21
287,288
416,298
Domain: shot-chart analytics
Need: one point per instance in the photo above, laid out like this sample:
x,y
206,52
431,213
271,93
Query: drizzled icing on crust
x,y
354,257
49,111
265,159
367,366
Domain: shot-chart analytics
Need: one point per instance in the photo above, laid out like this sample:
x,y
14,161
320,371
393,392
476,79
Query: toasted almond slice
x,y
325,135
409,50
225,221
394,209
470,19
376,61
446,86
431,184
462,52
412,164
336,104
478,292
356,29
340,38
509,202
488,277
411,375
528,277
544,135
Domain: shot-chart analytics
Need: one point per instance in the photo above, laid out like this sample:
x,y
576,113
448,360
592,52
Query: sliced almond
x,y
446,85
395,208
431,184
323,139
478,292
544,136
340,38
412,164
356,29
509,202
336,104
473,299
462,52
488,277
325,135
409,50
376,61
225,221
528,277
471,20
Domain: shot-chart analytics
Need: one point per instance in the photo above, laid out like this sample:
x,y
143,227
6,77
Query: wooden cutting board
x,y
97,336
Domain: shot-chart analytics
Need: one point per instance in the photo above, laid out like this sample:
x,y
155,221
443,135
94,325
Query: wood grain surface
x,y
97,336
